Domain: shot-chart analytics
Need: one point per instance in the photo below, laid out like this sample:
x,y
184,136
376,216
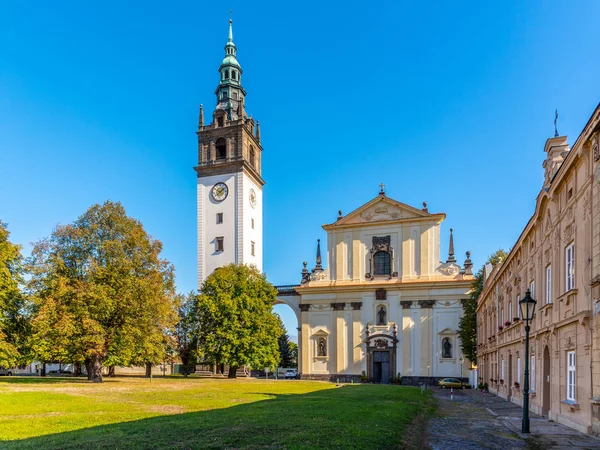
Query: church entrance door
x,y
381,367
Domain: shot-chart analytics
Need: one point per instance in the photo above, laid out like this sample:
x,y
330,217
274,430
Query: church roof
x,y
383,209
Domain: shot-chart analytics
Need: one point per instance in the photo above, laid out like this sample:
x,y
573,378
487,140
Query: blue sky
x,y
444,102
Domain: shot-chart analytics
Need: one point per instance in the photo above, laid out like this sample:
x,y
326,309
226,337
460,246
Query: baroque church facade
x,y
383,306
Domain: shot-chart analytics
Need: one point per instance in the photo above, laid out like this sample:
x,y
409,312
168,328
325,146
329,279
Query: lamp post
x,y
527,306
462,363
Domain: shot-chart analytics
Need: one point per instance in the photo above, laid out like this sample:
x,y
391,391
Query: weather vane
x,y
555,122
382,186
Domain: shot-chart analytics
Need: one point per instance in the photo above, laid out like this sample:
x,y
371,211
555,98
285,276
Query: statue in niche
x,y
446,348
321,347
381,316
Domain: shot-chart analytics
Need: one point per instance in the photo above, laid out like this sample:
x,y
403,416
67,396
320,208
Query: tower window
x,y
219,217
219,244
382,263
233,74
234,95
226,73
252,156
252,222
220,121
252,248
221,145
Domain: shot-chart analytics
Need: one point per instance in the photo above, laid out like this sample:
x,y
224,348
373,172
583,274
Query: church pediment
x,y
447,332
382,209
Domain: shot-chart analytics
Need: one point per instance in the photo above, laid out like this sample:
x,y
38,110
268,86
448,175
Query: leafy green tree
x,y
467,326
186,331
285,352
101,292
13,318
294,354
236,324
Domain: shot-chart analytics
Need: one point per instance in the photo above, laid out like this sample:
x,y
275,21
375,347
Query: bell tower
x,y
229,186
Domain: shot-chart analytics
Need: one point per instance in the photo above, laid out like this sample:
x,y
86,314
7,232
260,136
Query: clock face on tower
x,y
220,191
252,198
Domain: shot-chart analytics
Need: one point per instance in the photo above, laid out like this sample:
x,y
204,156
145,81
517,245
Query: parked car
x,y
291,374
4,371
447,383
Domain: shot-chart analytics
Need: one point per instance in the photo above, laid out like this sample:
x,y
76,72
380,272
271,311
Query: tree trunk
x,y
148,370
111,371
232,372
77,369
95,369
88,368
43,370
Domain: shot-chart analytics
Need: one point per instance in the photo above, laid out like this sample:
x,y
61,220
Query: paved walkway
x,y
472,422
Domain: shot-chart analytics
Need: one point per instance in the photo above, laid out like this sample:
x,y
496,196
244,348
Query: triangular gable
x,y
447,332
382,209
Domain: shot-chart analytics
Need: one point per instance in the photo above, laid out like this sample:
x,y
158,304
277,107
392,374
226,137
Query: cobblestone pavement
x,y
474,421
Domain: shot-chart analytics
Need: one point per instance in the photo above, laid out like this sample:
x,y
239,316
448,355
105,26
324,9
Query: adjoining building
x,y
385,306
557,257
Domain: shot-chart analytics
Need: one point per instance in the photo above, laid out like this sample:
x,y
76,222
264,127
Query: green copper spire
x,y
230,91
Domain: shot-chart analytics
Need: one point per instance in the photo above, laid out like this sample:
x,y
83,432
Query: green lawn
x,y
131,413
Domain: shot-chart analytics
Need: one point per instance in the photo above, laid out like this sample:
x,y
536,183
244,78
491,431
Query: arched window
x,y
382,263
446,348
233,74
221,145
252,156
226,73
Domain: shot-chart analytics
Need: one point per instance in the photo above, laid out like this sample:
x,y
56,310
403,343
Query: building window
x,y
532,374
569,194
571,376
519,370
518,307
549,284
234,95
219,244
446,348
226,73
382,263
220,121
221,146
252,223
219,217
510,315
569,267
502,320
233,74
252,156
532,289
502,370
252,248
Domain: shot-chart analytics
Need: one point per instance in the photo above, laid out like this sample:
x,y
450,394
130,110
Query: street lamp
x,y
462,363
527,306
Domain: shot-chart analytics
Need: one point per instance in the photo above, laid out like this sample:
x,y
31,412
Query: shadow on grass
x,y
42,380
357,417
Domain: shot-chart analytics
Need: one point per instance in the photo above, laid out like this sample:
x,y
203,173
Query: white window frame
x,y
532,374
519,306
548,284
532,289
252,248
510,314
502,369
519,370
571,376
569,267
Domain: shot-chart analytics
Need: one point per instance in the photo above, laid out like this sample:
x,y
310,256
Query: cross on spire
x,y
382,188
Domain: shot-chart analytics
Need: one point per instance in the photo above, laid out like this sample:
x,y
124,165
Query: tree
x,y
467,326
236,324
186,331
102,294
285,352
13,318
294,354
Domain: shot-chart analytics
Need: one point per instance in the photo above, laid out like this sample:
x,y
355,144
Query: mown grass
x,y
131,413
